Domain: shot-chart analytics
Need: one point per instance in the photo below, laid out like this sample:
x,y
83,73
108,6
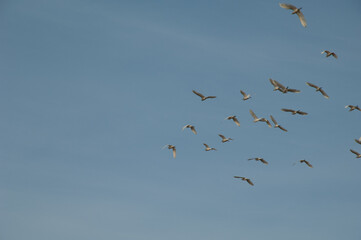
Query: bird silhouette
x,y
245,96
202,96
191,127
209,148
277,125
356,153
234,119
353,107
245,179
171,147
294,111
328,53
318,89
295,10
259,159
224,139
256,119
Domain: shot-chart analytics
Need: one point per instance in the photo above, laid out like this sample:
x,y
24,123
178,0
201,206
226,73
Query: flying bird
x,y
295,11
277,125
245,96
277,86
209,148
234,119
356,153
294,111
224,139
353,107
328,53
256,119
245,179
202,96
358,140
318,89
171,147
307,163
191,127
259,159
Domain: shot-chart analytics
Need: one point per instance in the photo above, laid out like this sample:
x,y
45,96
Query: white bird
x,y
356,153
358,140
294,111
202,96
259,159
191,127
256,119
234,119
277,125
245,96
245,179
353,107
328,53
295,11
318,89
209,148
171,147
224,139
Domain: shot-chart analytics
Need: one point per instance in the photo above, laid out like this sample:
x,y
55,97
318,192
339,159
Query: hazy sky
x,y
90,92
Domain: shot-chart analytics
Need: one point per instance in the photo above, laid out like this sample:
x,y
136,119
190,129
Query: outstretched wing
x,y
194,130
174,152
197,93
210,97
302,113
206,145
236,121
354,152
308,164
302,18
243,93
185,127
223,137
293,90
280,85
282,128
273,82
249,181
273,120
334,55
252,113
324,94
311,85
287,110
287,6
263,161
268,123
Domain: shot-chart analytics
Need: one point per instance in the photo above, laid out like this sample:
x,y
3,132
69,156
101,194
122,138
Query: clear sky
x,y
90,92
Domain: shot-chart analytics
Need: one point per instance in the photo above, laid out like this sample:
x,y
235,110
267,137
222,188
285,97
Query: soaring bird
x,y
209,148
277,86
277,125
356,153
318,89
234,119
358,140
191,127
259,159
353,107
171,147
245,96
256,119
202,96
245,179
295,11
328,53
224,139
308,164
294,111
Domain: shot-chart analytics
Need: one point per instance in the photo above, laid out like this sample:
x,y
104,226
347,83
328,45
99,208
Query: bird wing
x,y
206,145
268,123
263,161
324,94
236,121
237,177
273,82
194,130
354,152
174,152
185,127
274,120
287,110
279,85
287,6
358,141
308,164
347,106
357,107
327,52
282,128
311,85
334,54
197,93
223,137
302,18
253,115
210,97
243,93
293,90
249,181
302,113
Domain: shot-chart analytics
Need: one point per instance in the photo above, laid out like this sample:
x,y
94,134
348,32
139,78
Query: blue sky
x,y
91,90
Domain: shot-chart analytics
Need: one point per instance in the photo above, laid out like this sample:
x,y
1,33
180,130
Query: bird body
x,y
224,139
295,10
294,111
256,119
202,96
328,53
277,125
259,159
358,155
353,107
318,89
245,179
234,119
191,127
245,96
209,148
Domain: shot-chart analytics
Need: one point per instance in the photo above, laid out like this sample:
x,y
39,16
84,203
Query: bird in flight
x,y
295,11
318,89
191,127
256,119
234,119
259,159
245,96
356,153
277,86
277,125
209,148
202,96
358,140
224,139
353,107
245,179
307,163
294,111
328,53
171,147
